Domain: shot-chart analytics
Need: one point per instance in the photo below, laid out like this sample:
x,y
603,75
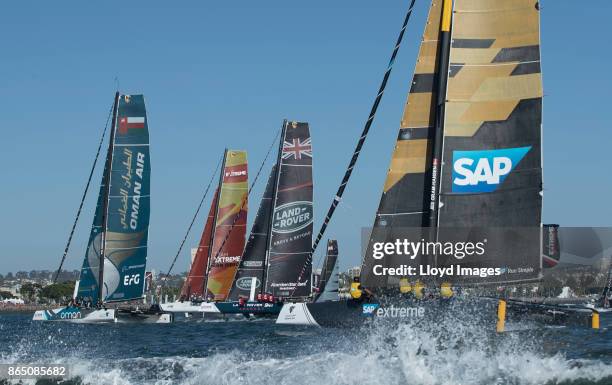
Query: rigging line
x,y
195,216
78,214
244,200
320,259
361,141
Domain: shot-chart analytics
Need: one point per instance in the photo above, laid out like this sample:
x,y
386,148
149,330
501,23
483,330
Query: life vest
x,y
418,290
446,290
404,286
355,291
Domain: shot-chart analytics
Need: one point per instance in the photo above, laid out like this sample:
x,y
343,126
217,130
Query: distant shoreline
x,y
23,308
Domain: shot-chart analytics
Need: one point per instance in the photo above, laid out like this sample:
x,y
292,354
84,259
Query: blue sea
x,y
193,351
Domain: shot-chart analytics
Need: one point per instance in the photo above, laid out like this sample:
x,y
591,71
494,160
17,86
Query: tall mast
x,y
214,224
273,203
109,164
438,143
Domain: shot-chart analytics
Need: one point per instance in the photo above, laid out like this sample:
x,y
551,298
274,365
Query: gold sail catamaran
x,y
467,163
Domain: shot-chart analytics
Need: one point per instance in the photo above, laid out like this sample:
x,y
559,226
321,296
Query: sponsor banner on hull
x,y
75,314
296,314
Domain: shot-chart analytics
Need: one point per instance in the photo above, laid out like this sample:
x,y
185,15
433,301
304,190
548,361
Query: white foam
x,y
450,352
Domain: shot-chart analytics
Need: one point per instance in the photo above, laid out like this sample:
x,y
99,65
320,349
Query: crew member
x,y
446,290
356,289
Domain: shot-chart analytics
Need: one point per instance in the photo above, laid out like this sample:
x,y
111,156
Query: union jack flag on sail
x,y
297,149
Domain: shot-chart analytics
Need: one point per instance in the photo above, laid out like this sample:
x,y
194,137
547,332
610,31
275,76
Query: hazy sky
x,y
218,74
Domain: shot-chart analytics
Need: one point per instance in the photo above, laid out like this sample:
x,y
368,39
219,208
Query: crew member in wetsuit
x,y
358,292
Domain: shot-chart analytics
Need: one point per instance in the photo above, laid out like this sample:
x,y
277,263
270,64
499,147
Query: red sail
x,y
194,283
230,226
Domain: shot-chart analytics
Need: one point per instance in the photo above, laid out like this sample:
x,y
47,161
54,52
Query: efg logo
x,y
483,171
244,283
292,217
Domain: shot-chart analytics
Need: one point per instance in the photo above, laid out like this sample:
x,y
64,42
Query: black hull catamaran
x,y
270,269
113,271
466,168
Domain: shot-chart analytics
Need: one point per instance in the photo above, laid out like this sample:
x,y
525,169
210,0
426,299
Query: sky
x,y
225,74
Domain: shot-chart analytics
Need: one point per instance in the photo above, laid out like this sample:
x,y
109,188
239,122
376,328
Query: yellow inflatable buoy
x,y
595,320
404,286
501,316
446,290
355,290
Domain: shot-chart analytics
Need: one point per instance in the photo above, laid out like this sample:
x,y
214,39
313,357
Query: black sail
x,y
491,179
254,256
327,287
405,199
288,273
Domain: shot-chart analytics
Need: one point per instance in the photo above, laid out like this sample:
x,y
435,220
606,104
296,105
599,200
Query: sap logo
x,y
369,308
129,280
483,171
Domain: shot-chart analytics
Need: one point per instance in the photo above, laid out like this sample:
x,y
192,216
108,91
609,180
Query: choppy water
x,y
449,353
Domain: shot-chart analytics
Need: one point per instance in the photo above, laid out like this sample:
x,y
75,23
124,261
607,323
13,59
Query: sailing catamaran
x,y
281,236
326,290
113,269
218,255
327,287
467,162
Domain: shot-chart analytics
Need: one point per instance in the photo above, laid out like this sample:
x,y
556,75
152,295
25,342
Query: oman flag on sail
x,y
129,122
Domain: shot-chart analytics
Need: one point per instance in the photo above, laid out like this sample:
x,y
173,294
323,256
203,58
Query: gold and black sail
x,y
404,202
492,163
468,154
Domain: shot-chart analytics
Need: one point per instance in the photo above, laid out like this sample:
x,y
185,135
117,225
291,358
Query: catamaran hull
x,y
77,315
189,307
350,313
329,314
138,316
257,309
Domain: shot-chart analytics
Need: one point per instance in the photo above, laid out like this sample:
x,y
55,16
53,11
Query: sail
x,y
404,202
328,283
194,282
230,225
291,228
88,280
491,159
127,225
254,256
